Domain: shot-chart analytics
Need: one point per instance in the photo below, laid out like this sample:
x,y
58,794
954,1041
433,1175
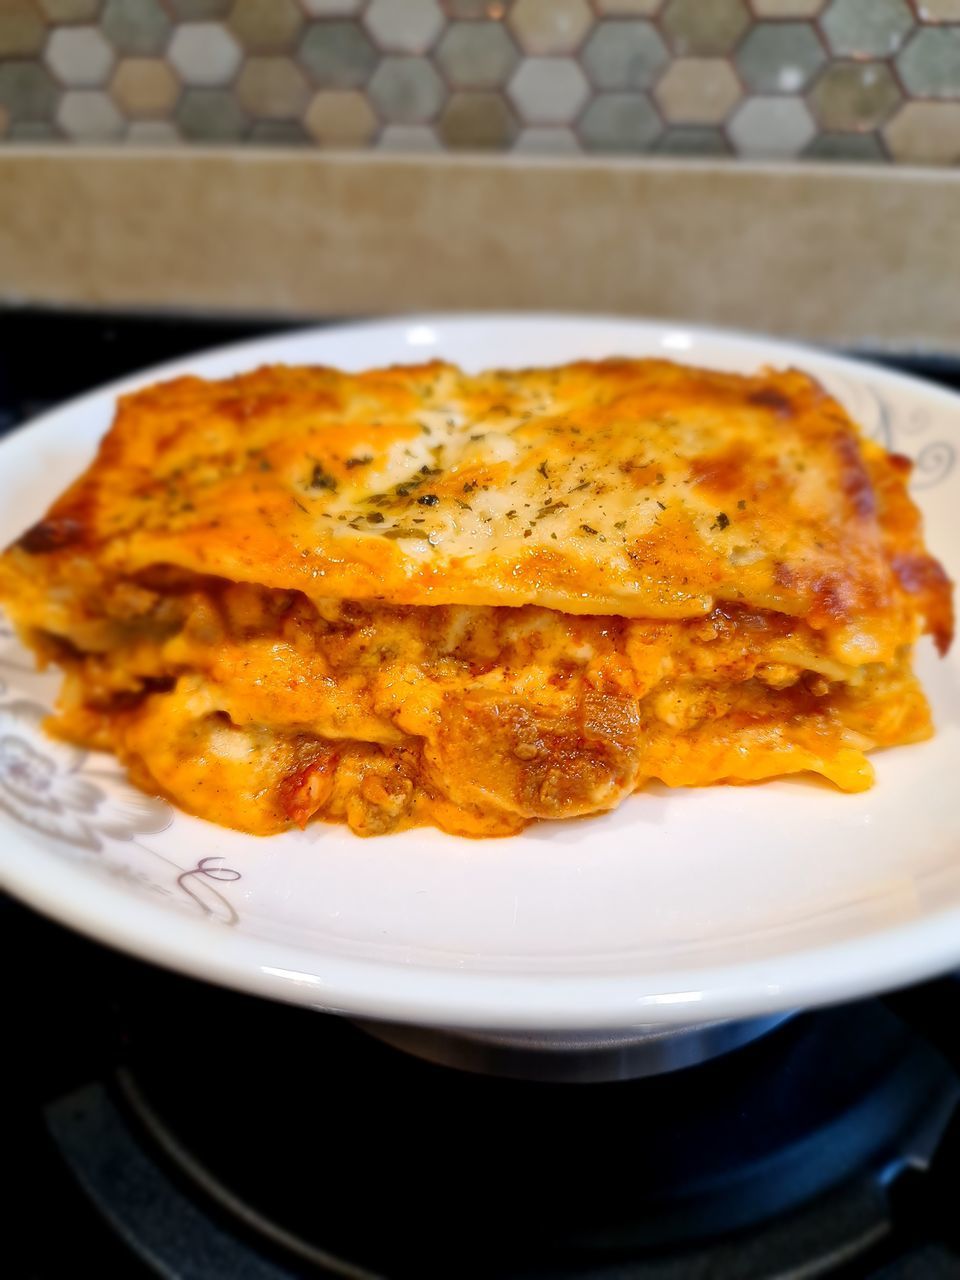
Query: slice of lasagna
x,y
418,596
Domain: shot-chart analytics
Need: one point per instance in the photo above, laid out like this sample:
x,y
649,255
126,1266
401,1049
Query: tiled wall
x,y
846,79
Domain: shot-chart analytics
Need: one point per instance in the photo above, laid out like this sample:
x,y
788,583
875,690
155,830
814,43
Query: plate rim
x,y
881,961
415,993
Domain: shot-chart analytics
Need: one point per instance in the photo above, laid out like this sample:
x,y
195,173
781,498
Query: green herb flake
x,y
321,479
550,508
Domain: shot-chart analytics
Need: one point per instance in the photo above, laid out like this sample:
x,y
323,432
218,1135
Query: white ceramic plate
x,y
681,906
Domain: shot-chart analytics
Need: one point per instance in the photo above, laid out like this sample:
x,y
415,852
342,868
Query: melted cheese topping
x,y
639,488
634,570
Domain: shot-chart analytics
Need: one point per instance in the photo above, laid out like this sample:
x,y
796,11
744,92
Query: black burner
x,y
541,1180
156,1126
221,1136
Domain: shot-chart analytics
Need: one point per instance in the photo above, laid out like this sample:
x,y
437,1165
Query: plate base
x,y
571,1057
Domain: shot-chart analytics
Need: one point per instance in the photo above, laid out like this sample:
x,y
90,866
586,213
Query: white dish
x,y
680,907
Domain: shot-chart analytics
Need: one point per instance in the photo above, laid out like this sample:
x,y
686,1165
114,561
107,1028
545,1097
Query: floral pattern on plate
x,y
80,801
49,785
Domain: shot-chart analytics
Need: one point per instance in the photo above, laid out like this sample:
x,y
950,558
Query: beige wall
x,y
833,253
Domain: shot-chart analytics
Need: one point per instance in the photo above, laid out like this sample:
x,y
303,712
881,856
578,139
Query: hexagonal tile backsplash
x,y
828,80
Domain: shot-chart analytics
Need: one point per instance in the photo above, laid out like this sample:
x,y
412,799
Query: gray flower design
x,y
895,426
933,463
52,787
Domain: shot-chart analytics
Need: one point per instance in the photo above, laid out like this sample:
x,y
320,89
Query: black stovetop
x,y
158,1126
